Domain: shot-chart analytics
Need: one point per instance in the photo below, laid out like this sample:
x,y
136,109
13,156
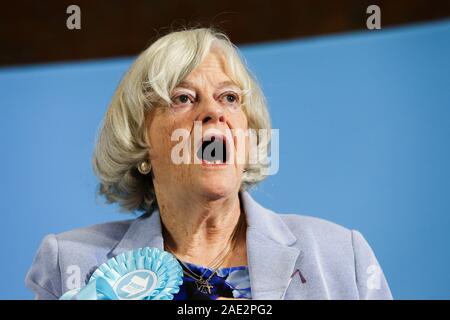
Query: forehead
x,y
212,69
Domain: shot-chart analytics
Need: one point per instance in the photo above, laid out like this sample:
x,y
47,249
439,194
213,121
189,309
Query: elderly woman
x,y
227,244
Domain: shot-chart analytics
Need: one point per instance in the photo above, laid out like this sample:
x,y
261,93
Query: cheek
x,y
241,120
160,136
240,124
244,126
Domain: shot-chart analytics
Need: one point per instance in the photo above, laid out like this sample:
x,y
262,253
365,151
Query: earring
x,y
144,167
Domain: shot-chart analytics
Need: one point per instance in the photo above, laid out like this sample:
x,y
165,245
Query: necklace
x,y
203,285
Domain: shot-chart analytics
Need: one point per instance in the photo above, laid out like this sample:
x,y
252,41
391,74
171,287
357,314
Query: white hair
x,y
122,141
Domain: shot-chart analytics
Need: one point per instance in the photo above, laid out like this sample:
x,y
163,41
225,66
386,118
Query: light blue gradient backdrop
x,y
364,124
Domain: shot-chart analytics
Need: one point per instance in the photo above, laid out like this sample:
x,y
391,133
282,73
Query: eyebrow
x,y
189,84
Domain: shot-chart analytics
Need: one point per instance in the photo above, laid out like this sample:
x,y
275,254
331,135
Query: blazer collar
x,y
271,257
145,231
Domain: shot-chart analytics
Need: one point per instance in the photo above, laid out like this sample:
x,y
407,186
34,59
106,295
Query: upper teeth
x,y
214,162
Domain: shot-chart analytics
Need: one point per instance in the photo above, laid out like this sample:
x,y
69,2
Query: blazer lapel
x,y
271,257
145,231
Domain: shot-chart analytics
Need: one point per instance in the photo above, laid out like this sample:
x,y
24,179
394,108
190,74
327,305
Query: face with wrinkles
x,y
209,100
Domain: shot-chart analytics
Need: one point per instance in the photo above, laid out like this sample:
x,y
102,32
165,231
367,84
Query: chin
x,y
217,187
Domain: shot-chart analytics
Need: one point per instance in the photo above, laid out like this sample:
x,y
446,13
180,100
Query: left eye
x,y
230,98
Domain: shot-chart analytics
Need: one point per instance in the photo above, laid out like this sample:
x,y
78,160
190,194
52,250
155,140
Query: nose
x,y
211,112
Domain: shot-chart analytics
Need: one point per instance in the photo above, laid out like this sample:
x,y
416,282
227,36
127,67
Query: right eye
x,y
182,99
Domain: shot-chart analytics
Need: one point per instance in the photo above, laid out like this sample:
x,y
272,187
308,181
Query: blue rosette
x,y
140,274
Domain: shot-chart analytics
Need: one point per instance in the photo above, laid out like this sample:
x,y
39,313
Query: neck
x,y
198,229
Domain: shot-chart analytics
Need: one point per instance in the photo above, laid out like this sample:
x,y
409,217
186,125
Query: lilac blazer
x,y
289,256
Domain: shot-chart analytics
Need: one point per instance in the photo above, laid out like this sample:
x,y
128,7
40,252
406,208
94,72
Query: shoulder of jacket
x,y
316,227
113,230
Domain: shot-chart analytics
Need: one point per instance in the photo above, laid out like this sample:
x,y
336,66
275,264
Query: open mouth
x,y
213,150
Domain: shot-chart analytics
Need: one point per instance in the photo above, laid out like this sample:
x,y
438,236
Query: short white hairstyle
x,y
122,142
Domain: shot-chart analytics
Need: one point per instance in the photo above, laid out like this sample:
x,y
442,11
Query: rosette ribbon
x,y
141,274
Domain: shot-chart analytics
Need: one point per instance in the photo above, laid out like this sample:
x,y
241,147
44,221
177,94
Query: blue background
x,y
364,124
